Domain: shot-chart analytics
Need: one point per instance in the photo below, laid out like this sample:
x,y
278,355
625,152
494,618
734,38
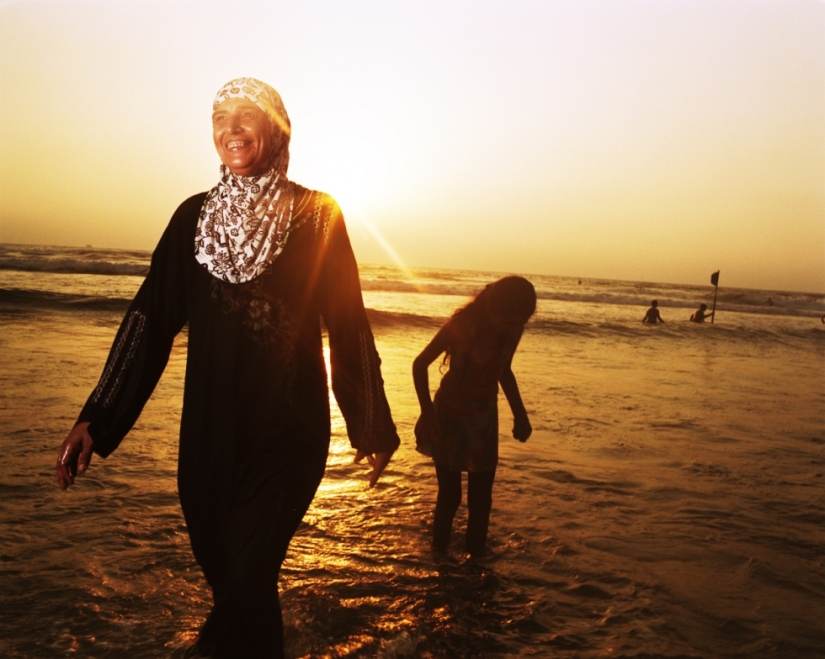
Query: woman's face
x,y
243,136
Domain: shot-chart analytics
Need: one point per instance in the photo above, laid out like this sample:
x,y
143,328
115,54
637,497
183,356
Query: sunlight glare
x,y
365,222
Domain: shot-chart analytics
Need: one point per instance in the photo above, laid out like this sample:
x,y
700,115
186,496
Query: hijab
x,y
245,220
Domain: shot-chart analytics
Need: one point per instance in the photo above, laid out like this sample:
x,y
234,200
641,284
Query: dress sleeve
x,y
356,366
142,345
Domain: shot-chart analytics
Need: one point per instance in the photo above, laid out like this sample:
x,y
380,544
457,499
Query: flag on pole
x,y
714,278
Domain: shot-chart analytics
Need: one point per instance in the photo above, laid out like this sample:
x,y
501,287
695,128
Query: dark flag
x,y
714,278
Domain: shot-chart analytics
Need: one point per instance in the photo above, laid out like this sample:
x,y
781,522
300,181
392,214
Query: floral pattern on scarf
x,y
245,221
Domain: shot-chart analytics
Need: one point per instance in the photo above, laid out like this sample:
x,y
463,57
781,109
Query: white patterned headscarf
x,y
245,220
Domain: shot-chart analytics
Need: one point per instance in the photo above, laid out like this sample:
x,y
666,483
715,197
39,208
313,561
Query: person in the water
x,y
255,427
653,316
459,428
699,315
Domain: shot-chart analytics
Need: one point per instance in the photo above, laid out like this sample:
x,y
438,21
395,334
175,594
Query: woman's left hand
x,y
378,460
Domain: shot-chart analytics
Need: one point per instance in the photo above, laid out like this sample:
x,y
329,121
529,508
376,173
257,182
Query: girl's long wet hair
x,y
512,297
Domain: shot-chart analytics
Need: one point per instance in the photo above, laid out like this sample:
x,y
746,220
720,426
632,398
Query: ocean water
x,y
670,503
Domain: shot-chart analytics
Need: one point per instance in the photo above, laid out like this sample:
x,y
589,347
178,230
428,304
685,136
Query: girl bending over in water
x,y
459,428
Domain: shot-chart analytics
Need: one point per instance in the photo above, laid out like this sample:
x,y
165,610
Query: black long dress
x,y
255,426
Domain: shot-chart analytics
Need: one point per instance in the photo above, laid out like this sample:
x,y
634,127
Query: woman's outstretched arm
x,y
356,367
138,355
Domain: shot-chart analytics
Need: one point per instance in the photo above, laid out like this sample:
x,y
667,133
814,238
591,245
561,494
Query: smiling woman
x,y
251,266
243,136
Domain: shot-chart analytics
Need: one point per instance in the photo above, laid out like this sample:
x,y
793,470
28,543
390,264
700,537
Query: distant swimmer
x,y
699,315
653,316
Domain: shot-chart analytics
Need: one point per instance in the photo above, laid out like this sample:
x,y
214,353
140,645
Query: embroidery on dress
x,y
322,213
265,318
125,347
369,384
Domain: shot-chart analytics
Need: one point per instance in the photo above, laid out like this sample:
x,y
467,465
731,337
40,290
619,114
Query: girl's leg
x,y
479,503
449,498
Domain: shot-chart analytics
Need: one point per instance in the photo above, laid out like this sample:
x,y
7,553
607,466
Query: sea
x,y
670,502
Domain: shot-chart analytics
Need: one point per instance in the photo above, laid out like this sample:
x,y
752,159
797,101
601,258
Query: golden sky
x,y
652,140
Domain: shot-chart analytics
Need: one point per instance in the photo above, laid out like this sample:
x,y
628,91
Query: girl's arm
x,y
440,343
521,423
426,429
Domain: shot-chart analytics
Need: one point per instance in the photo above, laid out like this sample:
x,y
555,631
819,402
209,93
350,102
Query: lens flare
x,y
354,213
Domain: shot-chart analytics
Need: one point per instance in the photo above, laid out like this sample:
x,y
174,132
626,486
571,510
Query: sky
x,y
646,140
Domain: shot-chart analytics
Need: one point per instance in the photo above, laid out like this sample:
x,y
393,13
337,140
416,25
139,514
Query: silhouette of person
x,y
255,428
459,428
653,316
699,315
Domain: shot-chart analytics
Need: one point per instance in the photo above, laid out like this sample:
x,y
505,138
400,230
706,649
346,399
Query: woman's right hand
x,y
75,454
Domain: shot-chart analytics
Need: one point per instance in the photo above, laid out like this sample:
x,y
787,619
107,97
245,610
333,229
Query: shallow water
x,y
669,504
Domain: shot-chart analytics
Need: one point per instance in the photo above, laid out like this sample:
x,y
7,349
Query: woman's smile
x,y
243,136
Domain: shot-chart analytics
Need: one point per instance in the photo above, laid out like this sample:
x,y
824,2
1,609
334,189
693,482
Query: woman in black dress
x,y
251,266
